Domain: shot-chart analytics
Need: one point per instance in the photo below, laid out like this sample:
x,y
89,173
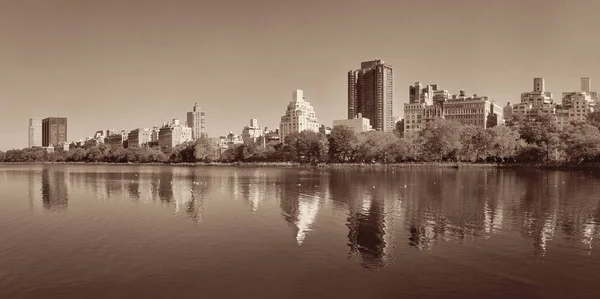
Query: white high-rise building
x,y
586,85
299,116
35,132
196,119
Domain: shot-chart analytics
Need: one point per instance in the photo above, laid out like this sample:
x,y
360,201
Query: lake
x,y
78,231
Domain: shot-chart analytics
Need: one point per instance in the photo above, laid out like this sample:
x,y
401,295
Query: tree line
x,y
532,141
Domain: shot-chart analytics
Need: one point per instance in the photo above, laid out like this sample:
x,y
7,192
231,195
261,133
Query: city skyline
x,y
98,75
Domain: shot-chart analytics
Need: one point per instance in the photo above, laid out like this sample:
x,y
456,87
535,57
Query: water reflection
x,y
382,209
300,202
54,189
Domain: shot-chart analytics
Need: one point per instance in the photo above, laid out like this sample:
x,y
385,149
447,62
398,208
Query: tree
x,y
204,150
341,141
2,156
184,152
76,155
306,147
593,119
475,143
243,153
441,140
377,146
95,154
544,133
504,143
582,142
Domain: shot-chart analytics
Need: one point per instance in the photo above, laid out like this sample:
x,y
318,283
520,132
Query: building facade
x,y
117,139
474,110
299,116
173,134
54,131
139,137
371,93
196,119
252,132
575,106
357,124
427,103
35,132
536,102
269,136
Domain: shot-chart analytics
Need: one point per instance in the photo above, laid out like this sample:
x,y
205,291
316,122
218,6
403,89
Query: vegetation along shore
x,y
519,143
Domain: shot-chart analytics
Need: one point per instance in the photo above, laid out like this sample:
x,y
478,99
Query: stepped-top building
x,y
299,116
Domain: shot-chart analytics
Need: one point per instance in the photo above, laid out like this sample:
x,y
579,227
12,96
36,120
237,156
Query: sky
x,y
114,64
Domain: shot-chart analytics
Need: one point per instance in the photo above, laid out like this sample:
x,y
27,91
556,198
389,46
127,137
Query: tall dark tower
x,y
371,93
54,131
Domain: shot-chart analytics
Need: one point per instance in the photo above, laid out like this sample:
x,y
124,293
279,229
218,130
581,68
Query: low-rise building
x,y
269,136
476,110
117,139
357,124
324,130
468,110
173,134
139,137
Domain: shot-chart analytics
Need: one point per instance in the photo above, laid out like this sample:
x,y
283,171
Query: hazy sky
x,y
123,64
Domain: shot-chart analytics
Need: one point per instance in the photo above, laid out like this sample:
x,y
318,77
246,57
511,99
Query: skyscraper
x,y
54,131
196,120
299,116
35,132
371,93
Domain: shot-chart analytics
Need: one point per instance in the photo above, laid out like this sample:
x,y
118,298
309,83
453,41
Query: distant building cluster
x,y
574,106
370,108
52,132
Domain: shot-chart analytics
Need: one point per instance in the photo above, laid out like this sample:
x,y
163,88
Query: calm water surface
x,y
225,232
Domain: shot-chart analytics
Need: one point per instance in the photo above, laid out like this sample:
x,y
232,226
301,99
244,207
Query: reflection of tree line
x,y
184,192
428,205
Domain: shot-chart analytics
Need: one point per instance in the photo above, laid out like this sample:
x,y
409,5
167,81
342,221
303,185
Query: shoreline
x,y
455,165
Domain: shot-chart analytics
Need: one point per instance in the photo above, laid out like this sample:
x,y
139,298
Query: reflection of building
x,y
54,189
366,232
299,116
35,132
298,208
357,124
173,134
196,119
54,131
35,190
371,93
